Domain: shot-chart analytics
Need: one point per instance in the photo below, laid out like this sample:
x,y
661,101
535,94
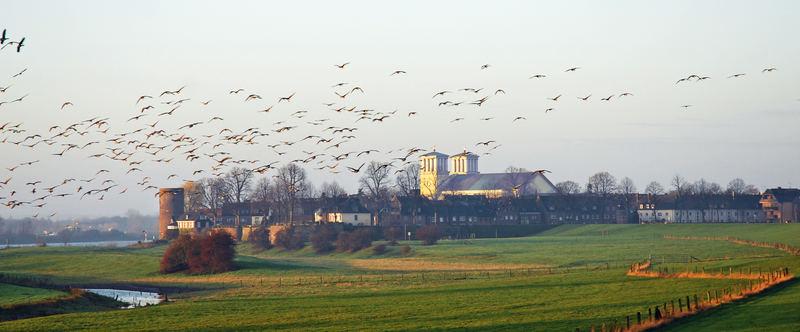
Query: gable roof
x,y
529,182
783,194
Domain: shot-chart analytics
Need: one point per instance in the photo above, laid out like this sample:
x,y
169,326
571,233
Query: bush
x,y
406,249
379,249
322,239
290,238
354,241
175,257
392,234
429,234
212,253
259,238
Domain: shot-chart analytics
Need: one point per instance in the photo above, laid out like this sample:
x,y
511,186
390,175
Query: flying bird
x,y
537,76
342,65
769,70
397,72
736,75
572,69
286,98
485,66
584,98
555,98
607,98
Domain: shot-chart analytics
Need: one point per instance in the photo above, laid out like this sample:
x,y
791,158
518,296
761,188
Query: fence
x,y
666,312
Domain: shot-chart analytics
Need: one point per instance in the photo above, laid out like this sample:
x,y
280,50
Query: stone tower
x,y
464,163
170,207
432,170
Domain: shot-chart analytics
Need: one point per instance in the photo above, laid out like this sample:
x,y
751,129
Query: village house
x,y
781,204
344,210
719,208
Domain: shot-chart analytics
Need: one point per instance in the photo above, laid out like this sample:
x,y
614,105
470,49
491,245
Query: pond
x,y
132,298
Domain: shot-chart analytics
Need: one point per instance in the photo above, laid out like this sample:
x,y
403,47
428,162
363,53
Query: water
x,y
76,244
132,298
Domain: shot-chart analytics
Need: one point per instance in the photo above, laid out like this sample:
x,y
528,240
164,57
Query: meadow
x,y
568,277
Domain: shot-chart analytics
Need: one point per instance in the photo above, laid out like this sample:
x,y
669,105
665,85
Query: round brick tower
x,y
170,207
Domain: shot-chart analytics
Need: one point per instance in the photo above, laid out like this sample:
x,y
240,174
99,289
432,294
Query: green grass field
x,y
13,294
567,277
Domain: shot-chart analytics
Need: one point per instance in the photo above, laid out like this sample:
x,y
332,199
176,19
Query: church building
x,y
442,175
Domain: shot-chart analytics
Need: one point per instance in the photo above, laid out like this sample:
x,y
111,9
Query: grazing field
x,y
13,294
568,277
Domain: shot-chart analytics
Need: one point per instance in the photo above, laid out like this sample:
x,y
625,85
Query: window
x,y
355,217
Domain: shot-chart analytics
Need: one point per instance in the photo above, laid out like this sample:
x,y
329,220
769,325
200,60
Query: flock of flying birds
x,y
147,139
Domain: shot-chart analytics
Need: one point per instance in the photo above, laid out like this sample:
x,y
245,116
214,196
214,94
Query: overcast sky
x,y
102,55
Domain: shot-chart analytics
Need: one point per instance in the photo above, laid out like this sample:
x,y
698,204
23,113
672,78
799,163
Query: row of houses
x,y
774,205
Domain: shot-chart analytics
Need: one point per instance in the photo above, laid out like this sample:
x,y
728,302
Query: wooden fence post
x,y
649,314
638,318
688,304
628,322
695,302
680,306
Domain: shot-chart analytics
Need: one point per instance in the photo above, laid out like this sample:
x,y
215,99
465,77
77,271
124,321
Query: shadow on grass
x,y
685,322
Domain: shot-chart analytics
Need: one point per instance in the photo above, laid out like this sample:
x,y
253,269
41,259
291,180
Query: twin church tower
x,y
441,174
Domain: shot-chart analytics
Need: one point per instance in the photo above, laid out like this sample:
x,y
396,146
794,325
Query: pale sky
x,y
101,56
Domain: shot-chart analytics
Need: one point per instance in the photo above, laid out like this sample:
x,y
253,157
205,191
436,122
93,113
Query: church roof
x,y
434,153
529,182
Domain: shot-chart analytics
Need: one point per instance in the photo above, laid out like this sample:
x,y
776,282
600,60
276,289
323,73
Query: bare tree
x,y
408,180
375,179
515,178
261,191
626,186
738,186
602,183
331,189
291,184
568,187
193,196
238,182
679,185
212,191
654,189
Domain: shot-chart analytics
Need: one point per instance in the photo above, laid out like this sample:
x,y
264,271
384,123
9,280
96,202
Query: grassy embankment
x,y
13,294
393,295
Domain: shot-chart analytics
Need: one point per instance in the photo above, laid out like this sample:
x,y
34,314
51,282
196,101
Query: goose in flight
x,y
342,65
289,98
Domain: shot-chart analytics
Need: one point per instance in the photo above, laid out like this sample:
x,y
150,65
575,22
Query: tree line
x,y
281,192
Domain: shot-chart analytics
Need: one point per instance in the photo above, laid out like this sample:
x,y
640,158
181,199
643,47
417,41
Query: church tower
x,y
432,170
464,163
